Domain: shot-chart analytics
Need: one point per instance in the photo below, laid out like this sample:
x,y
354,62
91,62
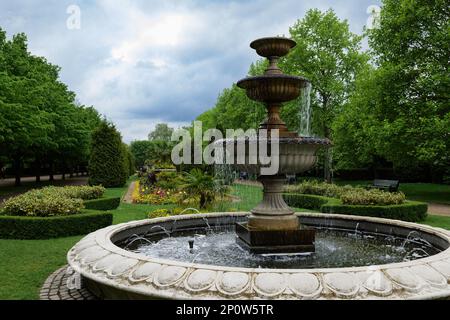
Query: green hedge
x,y
14,227
306,201
411,211
103,204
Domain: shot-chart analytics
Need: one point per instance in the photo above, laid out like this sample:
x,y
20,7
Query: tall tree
x,y
162,132
108,165
329,55
412,48
41,121
400,111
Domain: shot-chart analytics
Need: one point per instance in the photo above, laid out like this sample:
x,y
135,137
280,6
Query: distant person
x,y
151,178
3,173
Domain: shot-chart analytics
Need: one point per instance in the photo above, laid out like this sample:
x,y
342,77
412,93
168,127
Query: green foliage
x,y
12,227
233,110
155,152
409,211
141,151
400,110
102,204
35,204
171,181
319,188
306,201
202,185
108,163
41,123
75,192
167,212
162,132
329,55
51,201
372,197
347,194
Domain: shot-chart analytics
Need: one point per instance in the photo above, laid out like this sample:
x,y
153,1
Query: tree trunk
x,y
202,201
328,161
17,171
38,170
51,173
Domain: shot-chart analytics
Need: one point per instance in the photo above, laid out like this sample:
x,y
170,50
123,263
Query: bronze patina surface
x,y
272,226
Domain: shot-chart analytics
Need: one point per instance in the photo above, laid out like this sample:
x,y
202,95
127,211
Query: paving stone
x,y
55,288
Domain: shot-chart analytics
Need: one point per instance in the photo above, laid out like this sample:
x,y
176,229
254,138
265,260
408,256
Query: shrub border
x,y
411,211
31,228
102,204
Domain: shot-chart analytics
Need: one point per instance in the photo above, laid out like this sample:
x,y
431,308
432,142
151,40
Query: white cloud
x,y
142,62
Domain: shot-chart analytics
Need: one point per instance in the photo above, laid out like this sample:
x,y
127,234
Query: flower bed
x,y
157,196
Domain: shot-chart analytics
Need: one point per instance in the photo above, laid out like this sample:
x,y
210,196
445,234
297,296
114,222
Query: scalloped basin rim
x,y
424,278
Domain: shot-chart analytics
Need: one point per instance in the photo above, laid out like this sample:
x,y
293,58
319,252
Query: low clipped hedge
x,y
411,211
102,204
306,201
27,228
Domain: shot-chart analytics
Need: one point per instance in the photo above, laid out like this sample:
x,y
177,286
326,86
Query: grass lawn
x,y
25,264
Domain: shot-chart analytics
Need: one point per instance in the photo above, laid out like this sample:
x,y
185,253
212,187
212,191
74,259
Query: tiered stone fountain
x,y
272,226
163,266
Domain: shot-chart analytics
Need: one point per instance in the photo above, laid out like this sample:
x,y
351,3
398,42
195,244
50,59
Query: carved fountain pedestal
x,y
272,226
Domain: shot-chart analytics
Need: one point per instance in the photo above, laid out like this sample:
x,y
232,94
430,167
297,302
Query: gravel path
x,y
129,195
439,209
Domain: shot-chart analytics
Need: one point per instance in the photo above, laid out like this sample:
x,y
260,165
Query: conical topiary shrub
x,y
107,164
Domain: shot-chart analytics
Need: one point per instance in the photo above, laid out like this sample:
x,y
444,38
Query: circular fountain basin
x,y
110,271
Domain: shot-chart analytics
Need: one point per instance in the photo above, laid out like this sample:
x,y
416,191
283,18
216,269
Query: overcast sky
x,y
143,62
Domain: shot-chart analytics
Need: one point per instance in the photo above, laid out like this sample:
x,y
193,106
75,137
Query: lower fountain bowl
x,y
111,272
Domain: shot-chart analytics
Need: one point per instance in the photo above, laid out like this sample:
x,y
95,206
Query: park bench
x,y
291,178
388,185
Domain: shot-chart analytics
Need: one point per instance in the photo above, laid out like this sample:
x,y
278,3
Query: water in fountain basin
x,y
333,249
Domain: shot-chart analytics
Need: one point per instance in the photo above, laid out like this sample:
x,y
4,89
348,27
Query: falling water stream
x,y
305,111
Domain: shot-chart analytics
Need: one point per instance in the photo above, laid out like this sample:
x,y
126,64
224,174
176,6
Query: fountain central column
x,y
272,213
272,226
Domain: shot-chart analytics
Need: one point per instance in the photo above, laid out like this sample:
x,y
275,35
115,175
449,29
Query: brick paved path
x,y
55,288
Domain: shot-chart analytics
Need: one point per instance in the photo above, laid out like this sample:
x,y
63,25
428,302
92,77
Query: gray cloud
x,y
142,62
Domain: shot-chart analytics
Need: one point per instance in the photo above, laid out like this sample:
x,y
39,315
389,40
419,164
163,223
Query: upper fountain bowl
x,y
273,46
